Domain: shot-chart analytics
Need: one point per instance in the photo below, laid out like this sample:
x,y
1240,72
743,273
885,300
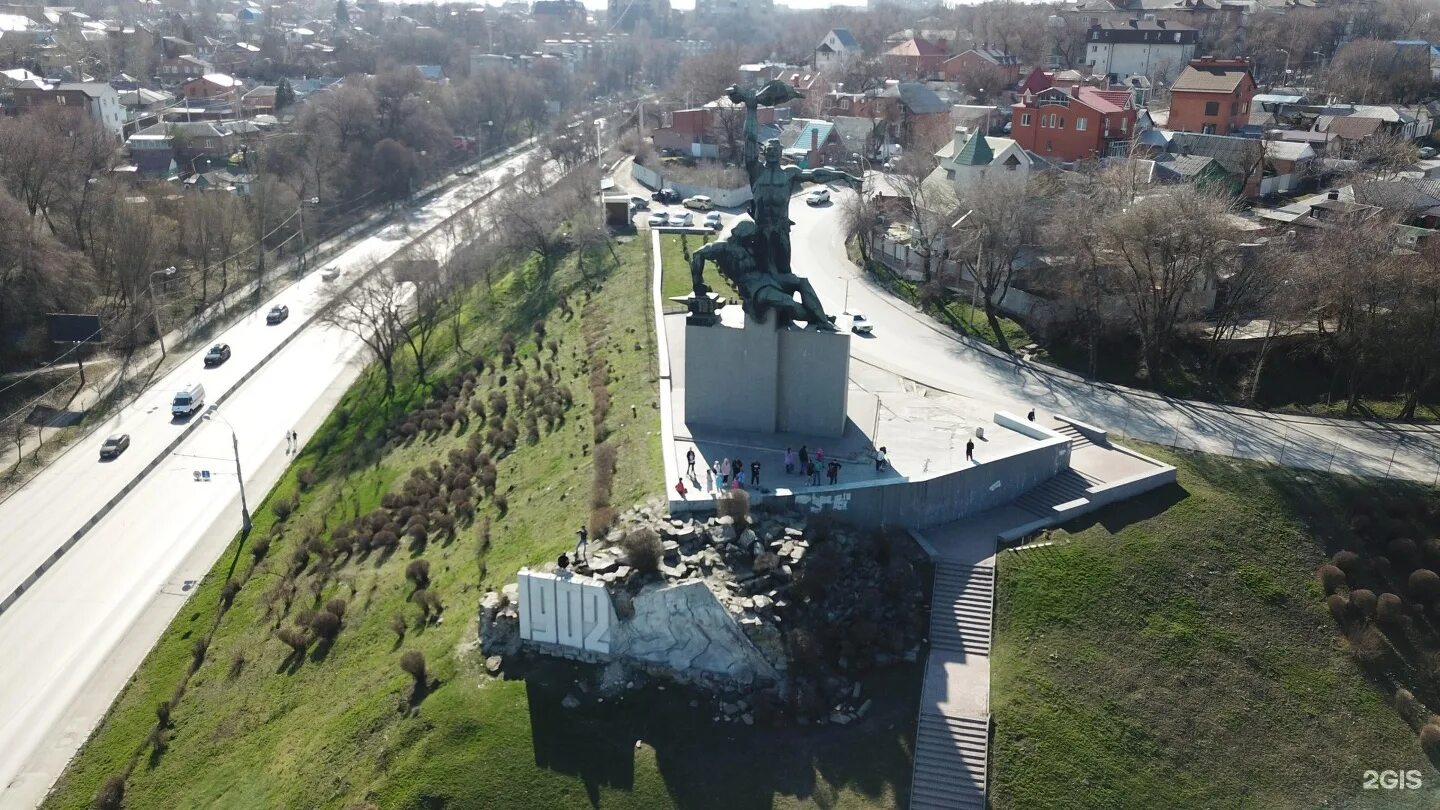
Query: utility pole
x,y
155,304
245,523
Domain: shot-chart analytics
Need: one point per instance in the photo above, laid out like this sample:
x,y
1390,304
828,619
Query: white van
x,y
188,400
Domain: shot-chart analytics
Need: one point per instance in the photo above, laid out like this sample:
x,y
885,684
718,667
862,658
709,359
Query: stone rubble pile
x,y
863,609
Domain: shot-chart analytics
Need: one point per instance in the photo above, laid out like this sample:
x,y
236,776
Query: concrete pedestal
x,y
762,379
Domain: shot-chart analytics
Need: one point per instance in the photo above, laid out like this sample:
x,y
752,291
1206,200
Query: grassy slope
x,y
328,731
675,272
1186,659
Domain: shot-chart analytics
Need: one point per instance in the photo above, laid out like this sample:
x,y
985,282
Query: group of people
x,y
733,473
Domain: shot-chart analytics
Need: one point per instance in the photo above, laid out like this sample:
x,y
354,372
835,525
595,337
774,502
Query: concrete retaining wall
x,y
924,502
722,197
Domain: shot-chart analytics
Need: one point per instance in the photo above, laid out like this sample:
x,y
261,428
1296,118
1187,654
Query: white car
x,y
699,202
860,325
682,219
659,219
330,274
712,221
819,196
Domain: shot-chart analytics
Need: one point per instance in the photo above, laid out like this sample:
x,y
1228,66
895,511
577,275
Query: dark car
x,y
218,354
666,195
277,313
115,445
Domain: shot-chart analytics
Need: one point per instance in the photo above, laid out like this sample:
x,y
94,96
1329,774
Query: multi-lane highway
x,y
74,636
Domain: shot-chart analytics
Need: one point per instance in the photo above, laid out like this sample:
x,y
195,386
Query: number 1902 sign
x,y
571,611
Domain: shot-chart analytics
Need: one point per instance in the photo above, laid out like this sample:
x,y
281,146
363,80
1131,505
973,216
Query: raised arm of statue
x,y
825,174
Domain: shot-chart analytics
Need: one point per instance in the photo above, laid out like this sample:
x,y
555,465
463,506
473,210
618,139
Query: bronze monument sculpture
x,y
756,255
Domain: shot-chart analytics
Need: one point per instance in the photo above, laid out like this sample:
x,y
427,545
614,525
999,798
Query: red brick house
x,y
1212,96
963,65
703,131
914,58
1073,123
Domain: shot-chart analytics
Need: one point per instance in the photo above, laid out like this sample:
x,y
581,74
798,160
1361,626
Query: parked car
x,y
639,203
277,313
466,172
666,195
218,354
1427,152
682,219
659,219
712,221
115,445
819,196
859,324
330,274
699,203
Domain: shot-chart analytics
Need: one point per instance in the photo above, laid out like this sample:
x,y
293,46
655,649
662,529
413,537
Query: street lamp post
x,y
245,523
1286,77
155,304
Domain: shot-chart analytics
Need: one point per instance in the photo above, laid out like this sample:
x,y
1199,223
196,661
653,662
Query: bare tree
x,y
372,310
999,228
1167,252
932,202
863,217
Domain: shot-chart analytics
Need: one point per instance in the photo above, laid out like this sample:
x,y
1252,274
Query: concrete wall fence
x,y
722,197
920,503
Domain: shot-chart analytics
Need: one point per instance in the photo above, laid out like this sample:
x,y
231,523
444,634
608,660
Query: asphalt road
x,y
62,639
917,347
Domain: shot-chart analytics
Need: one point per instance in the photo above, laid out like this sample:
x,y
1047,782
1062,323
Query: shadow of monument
x,y
707,765
1116,516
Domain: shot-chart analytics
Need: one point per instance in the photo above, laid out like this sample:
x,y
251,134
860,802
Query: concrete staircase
x,y
950,755
1077,439
961,608
951,750
1064,488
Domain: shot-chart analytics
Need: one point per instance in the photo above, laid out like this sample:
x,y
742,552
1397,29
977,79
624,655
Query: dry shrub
x,y
1390,609
1347,561
284,507
326,625
397,626
228,592
111,795
1364,602
643,550
1368,645
413,663
1404,554
1331,578
295,638
1430,550
1339,608
735,504
260,548
1430,740
307,478
1424,586
1410,708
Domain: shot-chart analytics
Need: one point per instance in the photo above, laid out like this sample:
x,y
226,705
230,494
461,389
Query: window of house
x,y
1049,146
1060,123
1212,108
1207,129
1082,124
1124,124
1234,108
1025,119
844,103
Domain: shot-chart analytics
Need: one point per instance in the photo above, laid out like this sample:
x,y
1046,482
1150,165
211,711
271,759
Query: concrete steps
x,y
950,762
961,608
1077,439
1068,486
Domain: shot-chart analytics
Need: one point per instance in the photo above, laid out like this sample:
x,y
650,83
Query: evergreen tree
x,y
284,95
342,14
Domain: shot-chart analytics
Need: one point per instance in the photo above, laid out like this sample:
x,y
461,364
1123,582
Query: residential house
x,y
961,66
143,100
837,47
704,131
152,154
1074,123
909,109
260,100
972,156
811,142
195,143
98,100
560,13
212,86
859,136
914,58
1254,167
1202,14
1212,96
1155,49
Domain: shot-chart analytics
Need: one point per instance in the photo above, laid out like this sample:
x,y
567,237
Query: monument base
x,y
763,379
